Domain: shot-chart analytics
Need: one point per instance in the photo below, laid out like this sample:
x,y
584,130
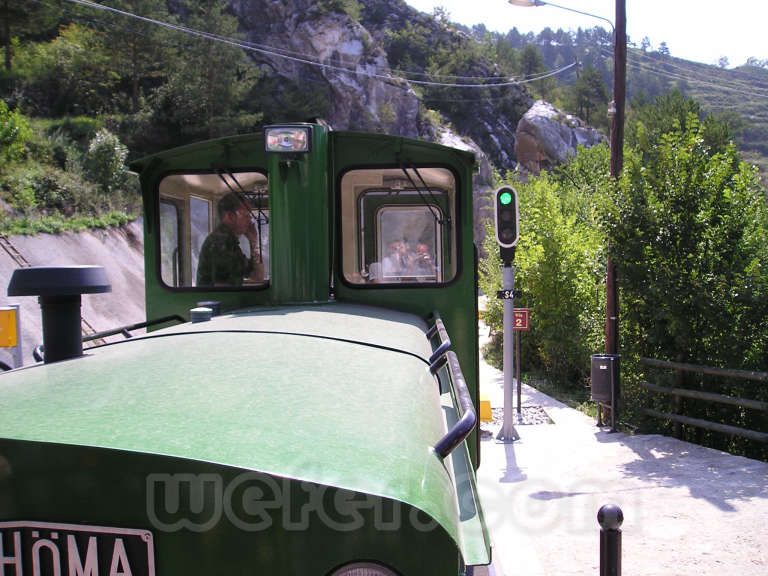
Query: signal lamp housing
x,y
506,217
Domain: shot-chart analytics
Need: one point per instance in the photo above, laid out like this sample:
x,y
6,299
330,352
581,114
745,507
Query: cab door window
x,y
407,245
214,230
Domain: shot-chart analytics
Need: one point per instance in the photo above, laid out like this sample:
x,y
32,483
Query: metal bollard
x,y
610,518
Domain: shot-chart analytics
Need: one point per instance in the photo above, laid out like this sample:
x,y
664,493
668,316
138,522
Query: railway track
x,y
19,258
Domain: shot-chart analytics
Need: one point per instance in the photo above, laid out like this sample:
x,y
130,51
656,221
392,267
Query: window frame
x,y
158,198
455,234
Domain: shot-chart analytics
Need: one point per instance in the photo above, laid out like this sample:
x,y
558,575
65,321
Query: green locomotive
x,y
315,417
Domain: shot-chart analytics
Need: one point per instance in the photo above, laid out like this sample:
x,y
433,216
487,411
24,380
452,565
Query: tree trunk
x,y
7,35
135,77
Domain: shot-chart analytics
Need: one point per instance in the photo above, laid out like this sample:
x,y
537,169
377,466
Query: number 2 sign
x,y
521,319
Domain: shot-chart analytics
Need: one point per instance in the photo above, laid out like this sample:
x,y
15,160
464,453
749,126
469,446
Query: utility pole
x,y
617,160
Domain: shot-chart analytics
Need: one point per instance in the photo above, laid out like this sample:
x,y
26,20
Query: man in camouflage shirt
x,y
222,262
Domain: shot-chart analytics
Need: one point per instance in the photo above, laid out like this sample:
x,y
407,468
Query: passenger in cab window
x,y
421,264
395,262
222,261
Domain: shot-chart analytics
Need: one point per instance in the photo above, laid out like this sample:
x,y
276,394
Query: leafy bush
x,y
104,163
55,148
350,7
689,227
15,132
80,129
35,190
58,224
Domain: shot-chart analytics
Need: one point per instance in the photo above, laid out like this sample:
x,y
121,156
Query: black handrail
x,y
38,353
124,330
468,420
445,340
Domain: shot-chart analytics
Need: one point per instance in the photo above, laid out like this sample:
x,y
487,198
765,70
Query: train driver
x,y
222,261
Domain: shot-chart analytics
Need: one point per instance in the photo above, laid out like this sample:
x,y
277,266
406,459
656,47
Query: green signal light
x,y
505,198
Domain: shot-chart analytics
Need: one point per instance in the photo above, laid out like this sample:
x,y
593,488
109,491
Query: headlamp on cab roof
x,y
288,139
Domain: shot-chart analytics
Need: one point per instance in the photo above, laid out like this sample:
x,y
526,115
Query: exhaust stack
x,y
59,289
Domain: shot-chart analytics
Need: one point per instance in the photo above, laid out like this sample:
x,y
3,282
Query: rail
x,y
459,431
680,393
89,332
439,358
13,252
39,352
445,341
125,330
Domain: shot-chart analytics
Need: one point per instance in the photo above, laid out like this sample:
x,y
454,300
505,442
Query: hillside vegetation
x,y
738,96
73,70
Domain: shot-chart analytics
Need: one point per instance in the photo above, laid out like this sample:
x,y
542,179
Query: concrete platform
x,y
688,510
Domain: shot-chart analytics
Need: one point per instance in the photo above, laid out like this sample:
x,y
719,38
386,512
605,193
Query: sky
x,y
697,30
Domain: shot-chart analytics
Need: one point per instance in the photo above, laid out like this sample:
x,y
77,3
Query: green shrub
x,y
689,227
58,224
15,132
350,7
55,148
37,189
104,162
81,129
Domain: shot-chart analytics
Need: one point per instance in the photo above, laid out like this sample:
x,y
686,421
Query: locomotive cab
x,y
341,216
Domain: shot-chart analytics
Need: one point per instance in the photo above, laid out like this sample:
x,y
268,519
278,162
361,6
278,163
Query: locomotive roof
x,y
257,139
336,394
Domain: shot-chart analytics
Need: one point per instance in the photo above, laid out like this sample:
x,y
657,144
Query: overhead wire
x,y
647,67
505,96
671,63
266,46
307,60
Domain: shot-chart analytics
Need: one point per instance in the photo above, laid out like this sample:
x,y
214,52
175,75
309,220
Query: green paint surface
x,y
297,392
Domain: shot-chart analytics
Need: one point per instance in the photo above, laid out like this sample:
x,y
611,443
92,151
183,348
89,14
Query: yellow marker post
x,y
485,409
8,327
10,332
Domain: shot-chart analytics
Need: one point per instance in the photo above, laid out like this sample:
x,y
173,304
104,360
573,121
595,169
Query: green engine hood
x,y
334,395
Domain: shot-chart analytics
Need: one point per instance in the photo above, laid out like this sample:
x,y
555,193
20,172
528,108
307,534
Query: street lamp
x,y
617,142
537,3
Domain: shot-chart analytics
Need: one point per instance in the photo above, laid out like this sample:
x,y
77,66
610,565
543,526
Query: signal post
x,y
507,236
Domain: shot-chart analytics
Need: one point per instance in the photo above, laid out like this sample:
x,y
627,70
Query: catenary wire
x,y
306,60
675,76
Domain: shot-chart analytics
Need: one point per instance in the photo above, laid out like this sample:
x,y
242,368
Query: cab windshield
x,y
398,226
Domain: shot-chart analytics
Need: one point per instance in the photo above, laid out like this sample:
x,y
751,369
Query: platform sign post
x,y
10,332
507,236
522,318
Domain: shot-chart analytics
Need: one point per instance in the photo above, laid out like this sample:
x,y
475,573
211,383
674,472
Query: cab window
x,y
398,226
214,230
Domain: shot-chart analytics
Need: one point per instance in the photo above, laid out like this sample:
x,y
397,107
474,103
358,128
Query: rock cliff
x,y
331,57
546,137
340,61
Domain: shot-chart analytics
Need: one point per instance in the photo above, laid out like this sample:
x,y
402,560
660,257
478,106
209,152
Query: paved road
x,y
688,510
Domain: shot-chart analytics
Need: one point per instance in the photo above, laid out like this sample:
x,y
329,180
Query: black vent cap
x,y
58,281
